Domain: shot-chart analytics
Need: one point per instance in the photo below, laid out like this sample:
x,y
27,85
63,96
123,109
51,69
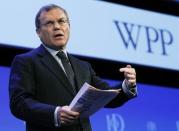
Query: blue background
x,y
155,109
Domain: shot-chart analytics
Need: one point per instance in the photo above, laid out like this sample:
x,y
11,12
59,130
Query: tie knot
x,y
62,55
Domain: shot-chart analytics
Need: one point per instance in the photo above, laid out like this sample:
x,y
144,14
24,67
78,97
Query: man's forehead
x,y
51,13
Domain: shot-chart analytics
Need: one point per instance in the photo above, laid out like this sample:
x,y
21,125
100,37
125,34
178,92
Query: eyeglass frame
x,y
50,23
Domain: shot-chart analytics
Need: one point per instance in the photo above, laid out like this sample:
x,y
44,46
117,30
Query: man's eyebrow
x,y
58,19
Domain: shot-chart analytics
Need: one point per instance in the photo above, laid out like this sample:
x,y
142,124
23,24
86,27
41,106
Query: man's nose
x,y
56,26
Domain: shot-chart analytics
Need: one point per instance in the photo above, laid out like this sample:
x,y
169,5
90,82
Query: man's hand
x,y
130,75
66,116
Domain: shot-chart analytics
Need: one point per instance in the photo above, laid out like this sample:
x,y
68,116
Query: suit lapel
x,y
53,66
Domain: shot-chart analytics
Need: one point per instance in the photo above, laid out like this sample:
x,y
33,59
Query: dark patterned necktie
x,y
68,69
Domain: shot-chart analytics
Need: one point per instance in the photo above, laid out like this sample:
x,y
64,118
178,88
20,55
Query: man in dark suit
x,y
44,81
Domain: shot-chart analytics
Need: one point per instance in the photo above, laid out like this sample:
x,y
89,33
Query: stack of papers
x,y
90,99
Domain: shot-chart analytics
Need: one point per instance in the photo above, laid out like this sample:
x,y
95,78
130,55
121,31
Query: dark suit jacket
x,y
38,85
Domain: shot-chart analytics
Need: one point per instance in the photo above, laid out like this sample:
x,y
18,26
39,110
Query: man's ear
x,y
38,31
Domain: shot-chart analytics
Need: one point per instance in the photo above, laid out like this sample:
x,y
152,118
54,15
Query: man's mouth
x,y
58,35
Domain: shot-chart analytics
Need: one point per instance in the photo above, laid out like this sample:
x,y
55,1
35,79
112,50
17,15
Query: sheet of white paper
x,y
90,99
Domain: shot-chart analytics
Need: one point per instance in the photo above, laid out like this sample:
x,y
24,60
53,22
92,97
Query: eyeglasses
x,y
61,22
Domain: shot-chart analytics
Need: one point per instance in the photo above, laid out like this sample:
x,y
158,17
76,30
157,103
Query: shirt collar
x,y
54,52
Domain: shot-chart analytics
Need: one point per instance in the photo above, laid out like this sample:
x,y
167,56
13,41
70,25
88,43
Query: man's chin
x,y
60,46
